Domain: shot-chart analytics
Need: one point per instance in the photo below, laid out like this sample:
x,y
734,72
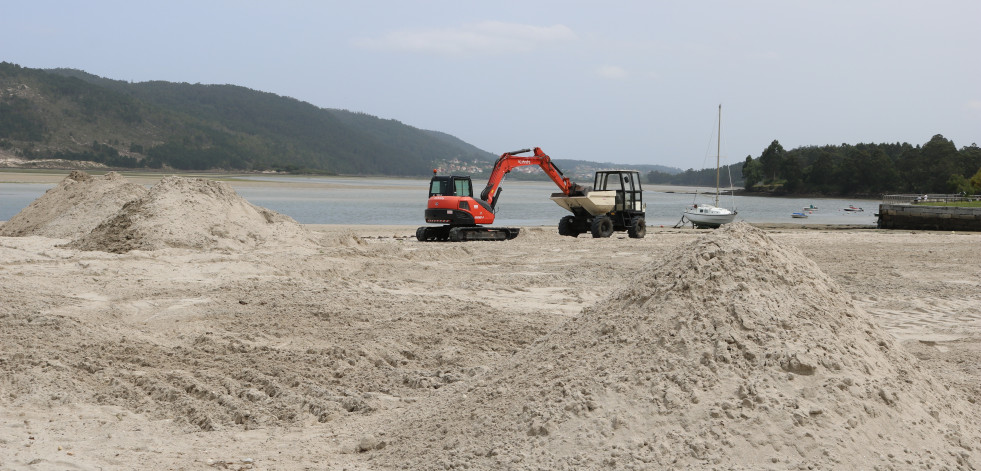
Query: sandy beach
x,y
191,330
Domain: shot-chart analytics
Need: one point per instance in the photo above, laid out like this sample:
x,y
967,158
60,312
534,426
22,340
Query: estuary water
x,y
397,201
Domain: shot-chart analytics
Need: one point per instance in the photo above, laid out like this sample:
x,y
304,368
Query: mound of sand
x,y
192,213
535,233
76,206
734,353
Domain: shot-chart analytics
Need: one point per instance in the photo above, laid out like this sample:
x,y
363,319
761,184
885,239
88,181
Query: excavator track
x,y
465,233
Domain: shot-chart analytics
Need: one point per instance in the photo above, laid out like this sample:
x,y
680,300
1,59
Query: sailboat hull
x,y
706,215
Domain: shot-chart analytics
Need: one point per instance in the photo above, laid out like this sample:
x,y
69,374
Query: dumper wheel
x,y
638,228
568,226
602,227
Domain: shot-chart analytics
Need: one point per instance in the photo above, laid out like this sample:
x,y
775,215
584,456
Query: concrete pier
x,y
914,216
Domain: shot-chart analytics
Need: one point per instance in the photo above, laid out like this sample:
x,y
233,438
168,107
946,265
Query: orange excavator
x,y
452,202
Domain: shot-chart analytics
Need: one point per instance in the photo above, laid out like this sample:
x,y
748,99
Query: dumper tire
x,y
568,227
638,228
602,227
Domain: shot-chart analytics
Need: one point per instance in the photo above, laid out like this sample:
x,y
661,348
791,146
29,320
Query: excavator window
x,y
438,186
463,187
450,186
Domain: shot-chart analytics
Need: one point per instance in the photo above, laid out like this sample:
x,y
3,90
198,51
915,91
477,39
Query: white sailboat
x,y
708,215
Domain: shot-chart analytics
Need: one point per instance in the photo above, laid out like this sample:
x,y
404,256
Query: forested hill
x,y
937,166
70,114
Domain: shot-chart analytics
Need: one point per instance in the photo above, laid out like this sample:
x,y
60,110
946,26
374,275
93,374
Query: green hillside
x,y
70,114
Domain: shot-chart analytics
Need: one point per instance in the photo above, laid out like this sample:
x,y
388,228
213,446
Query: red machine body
x,y
452,202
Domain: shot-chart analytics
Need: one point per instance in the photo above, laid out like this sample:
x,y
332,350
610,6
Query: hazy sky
x,y
618,81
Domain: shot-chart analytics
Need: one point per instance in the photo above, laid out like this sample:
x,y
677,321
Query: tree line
x,y
866,169
860,169
705,177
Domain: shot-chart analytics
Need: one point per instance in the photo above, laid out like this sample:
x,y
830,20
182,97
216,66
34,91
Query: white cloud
x,y
974,104
488,37
612,72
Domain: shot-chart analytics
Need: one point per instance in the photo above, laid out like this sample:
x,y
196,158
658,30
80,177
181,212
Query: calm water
x,y
343,200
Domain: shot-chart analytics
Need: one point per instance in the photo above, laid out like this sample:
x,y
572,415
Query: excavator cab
x,y
454,185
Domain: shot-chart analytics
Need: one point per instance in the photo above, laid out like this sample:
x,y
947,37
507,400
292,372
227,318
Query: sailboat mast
x,y
718,150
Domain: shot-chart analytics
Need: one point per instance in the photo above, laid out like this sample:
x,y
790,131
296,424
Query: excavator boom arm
x,y
510,160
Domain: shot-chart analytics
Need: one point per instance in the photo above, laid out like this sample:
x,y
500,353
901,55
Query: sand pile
x,y
74,207
535,233
733,353
192,213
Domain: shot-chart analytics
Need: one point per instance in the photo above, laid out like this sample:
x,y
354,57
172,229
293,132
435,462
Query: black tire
x,y
602,227
568,226
456,234
638,228
421,234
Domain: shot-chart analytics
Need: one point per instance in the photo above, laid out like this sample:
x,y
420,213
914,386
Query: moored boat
x,y
708,215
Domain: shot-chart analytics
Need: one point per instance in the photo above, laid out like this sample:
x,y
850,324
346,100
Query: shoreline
x,y
237,179
371,230
409,231
149,177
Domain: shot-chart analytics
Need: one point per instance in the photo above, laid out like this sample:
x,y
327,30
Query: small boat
x,y
707,215
853,208
810,208
798,215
